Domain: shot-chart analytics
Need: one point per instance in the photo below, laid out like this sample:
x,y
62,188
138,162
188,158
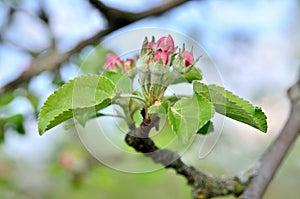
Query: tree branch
x,y
204,185
272,158
52,60
117,18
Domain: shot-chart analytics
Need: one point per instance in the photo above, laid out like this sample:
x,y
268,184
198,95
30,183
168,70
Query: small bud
x,y
165,44
144,47
184,62
148,61
128,64
187,58
150,45
142,66
113,61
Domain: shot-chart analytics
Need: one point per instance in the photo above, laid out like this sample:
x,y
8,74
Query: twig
x,y
272,158
118,18
115,17
204,185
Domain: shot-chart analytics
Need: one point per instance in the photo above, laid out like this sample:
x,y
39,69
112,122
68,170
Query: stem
x,y
127,117
145,93
162,92
110,115
133,97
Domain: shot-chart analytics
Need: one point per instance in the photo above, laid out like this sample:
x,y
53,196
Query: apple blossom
x,y
112,61
187,58
128,64
165,44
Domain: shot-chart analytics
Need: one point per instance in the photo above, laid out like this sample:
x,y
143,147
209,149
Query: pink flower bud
x,y
165,44
161,55
148,61
112,60
150,45
187,58
128,64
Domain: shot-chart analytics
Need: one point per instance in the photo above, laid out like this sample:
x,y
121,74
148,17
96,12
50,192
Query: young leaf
x,y
160,108
6,98
188,115
207,128
15,122
193,74
85,116
232,106
137,117
83,94
122,82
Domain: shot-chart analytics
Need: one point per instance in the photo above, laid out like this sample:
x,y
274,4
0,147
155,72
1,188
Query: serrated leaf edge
x,y
263,127
42,131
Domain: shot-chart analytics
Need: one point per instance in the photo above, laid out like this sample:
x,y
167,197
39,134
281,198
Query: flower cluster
x,y
158,65
163,52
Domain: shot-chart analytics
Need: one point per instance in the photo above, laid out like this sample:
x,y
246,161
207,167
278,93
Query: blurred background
x,y
255,46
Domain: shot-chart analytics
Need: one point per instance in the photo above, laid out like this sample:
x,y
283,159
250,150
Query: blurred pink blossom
x,y
112,60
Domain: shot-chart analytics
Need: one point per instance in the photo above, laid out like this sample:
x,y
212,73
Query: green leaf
x,y
57,79
193,74
159,108
232,106
137,117
122,82
134,110
2,129
85,116
6,98
15,122
207,128
83,94
188,115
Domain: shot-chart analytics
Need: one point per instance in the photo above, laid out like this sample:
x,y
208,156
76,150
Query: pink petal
x,y
165,44
112,60
187,58
150,45
161,55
